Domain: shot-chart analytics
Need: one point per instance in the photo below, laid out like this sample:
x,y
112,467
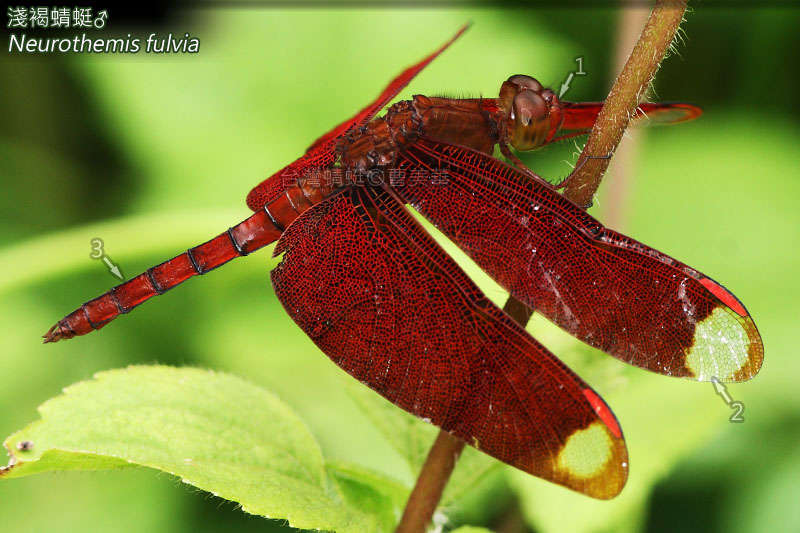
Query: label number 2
x,y
737,416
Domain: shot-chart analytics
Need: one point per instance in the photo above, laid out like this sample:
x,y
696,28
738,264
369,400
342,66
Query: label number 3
x,y
97,248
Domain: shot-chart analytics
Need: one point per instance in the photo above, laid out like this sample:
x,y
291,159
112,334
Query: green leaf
x,y
412,438
367,490
407,434
214,431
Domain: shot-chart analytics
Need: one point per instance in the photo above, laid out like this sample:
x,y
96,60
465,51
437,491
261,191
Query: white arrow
x,y
565,85
114,269
720,389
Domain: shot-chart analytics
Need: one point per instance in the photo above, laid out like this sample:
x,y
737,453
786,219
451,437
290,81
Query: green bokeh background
x,y
156,153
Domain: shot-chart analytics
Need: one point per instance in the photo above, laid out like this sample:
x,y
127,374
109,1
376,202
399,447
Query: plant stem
x,y
629,87
430,484
617,190
581,186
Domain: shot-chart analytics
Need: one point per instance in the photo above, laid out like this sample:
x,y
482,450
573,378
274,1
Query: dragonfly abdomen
x,y
264,227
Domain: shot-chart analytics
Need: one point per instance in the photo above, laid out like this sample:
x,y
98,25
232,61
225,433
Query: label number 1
x,y
580,71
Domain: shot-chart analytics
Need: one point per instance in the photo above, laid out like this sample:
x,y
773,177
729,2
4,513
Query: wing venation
x,y
608,290
386,304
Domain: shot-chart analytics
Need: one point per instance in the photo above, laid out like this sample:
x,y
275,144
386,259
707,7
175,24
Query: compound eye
x,y
528,106
548,95
525,82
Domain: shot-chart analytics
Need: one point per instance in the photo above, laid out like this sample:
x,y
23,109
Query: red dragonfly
x,y
379,296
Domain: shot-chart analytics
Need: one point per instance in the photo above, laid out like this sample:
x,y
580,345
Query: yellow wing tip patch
x,y
593,461
573,457
726,346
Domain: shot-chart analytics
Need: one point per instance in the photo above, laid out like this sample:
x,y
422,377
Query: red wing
x,y
385,303
322,153
391,90
666,112
608,290
581,115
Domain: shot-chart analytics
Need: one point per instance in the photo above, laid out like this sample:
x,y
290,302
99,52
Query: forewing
x,y
322,153
386,96
579,117
606,289
385,303
323,156
666,112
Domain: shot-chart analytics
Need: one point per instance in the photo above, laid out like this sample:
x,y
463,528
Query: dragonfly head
x,y
533,113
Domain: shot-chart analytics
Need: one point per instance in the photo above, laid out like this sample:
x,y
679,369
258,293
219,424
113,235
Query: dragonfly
x,y
377,294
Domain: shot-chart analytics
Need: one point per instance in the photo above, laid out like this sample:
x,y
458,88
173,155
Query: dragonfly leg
x,y
563,183
506,151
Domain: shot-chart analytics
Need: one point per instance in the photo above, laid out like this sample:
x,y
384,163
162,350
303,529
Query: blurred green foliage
x,y
156,153
190,423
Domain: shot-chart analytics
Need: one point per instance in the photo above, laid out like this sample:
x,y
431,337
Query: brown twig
x,y
581,185
629,87
615,207
430,484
